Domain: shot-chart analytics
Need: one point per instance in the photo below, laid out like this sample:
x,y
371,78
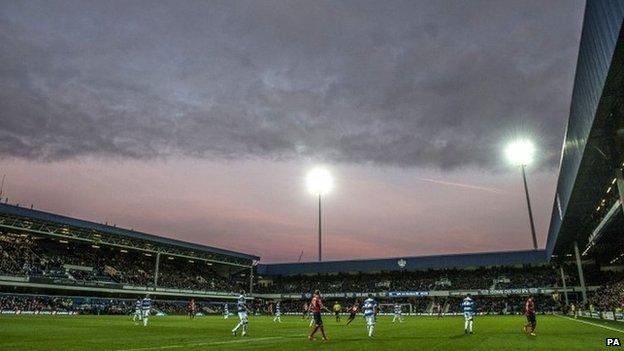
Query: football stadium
x,y
68,283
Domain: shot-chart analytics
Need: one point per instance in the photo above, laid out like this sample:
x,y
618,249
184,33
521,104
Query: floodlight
x,y
319,181
520,152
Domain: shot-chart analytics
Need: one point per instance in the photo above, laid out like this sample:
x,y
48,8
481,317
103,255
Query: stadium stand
x,y
609,296
78,263
429,280
45,251
45,256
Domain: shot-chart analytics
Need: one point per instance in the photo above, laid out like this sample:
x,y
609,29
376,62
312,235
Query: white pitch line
x,y
200,344
591,323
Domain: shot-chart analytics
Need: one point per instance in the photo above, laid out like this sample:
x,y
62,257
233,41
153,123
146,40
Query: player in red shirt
x,y
353,310
191,307
529,312
439,309
316,305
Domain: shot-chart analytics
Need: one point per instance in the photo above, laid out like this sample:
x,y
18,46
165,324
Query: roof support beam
x,y
604,223
579,266
156,270
620,185
251,278
565,288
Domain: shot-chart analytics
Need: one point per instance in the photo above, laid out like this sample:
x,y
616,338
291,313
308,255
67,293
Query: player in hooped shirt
x,y
397,313
370,313
146,307
137,311
278,313
529,312
316,305
242,315
468,307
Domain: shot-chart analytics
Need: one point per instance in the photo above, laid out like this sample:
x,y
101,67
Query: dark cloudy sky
x,y
198,120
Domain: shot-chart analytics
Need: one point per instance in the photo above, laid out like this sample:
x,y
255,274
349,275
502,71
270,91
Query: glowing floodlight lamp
x,y
319,181
520,152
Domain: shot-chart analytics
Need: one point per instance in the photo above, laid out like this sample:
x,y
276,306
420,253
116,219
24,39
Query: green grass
x,y
94,333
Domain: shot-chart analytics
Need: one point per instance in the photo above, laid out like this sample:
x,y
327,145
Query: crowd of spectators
x,y
35,303
429,280
539,276
91,305
79,263
508,304
609,297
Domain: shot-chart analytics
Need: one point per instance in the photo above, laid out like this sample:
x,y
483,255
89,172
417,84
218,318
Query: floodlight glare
x,y
520,152
319,181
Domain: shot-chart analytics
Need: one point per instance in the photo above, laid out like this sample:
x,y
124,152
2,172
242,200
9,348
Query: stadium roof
x,y
112,230
586,201
504,258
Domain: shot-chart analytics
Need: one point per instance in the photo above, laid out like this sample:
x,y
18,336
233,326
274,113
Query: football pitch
x,y
213,333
